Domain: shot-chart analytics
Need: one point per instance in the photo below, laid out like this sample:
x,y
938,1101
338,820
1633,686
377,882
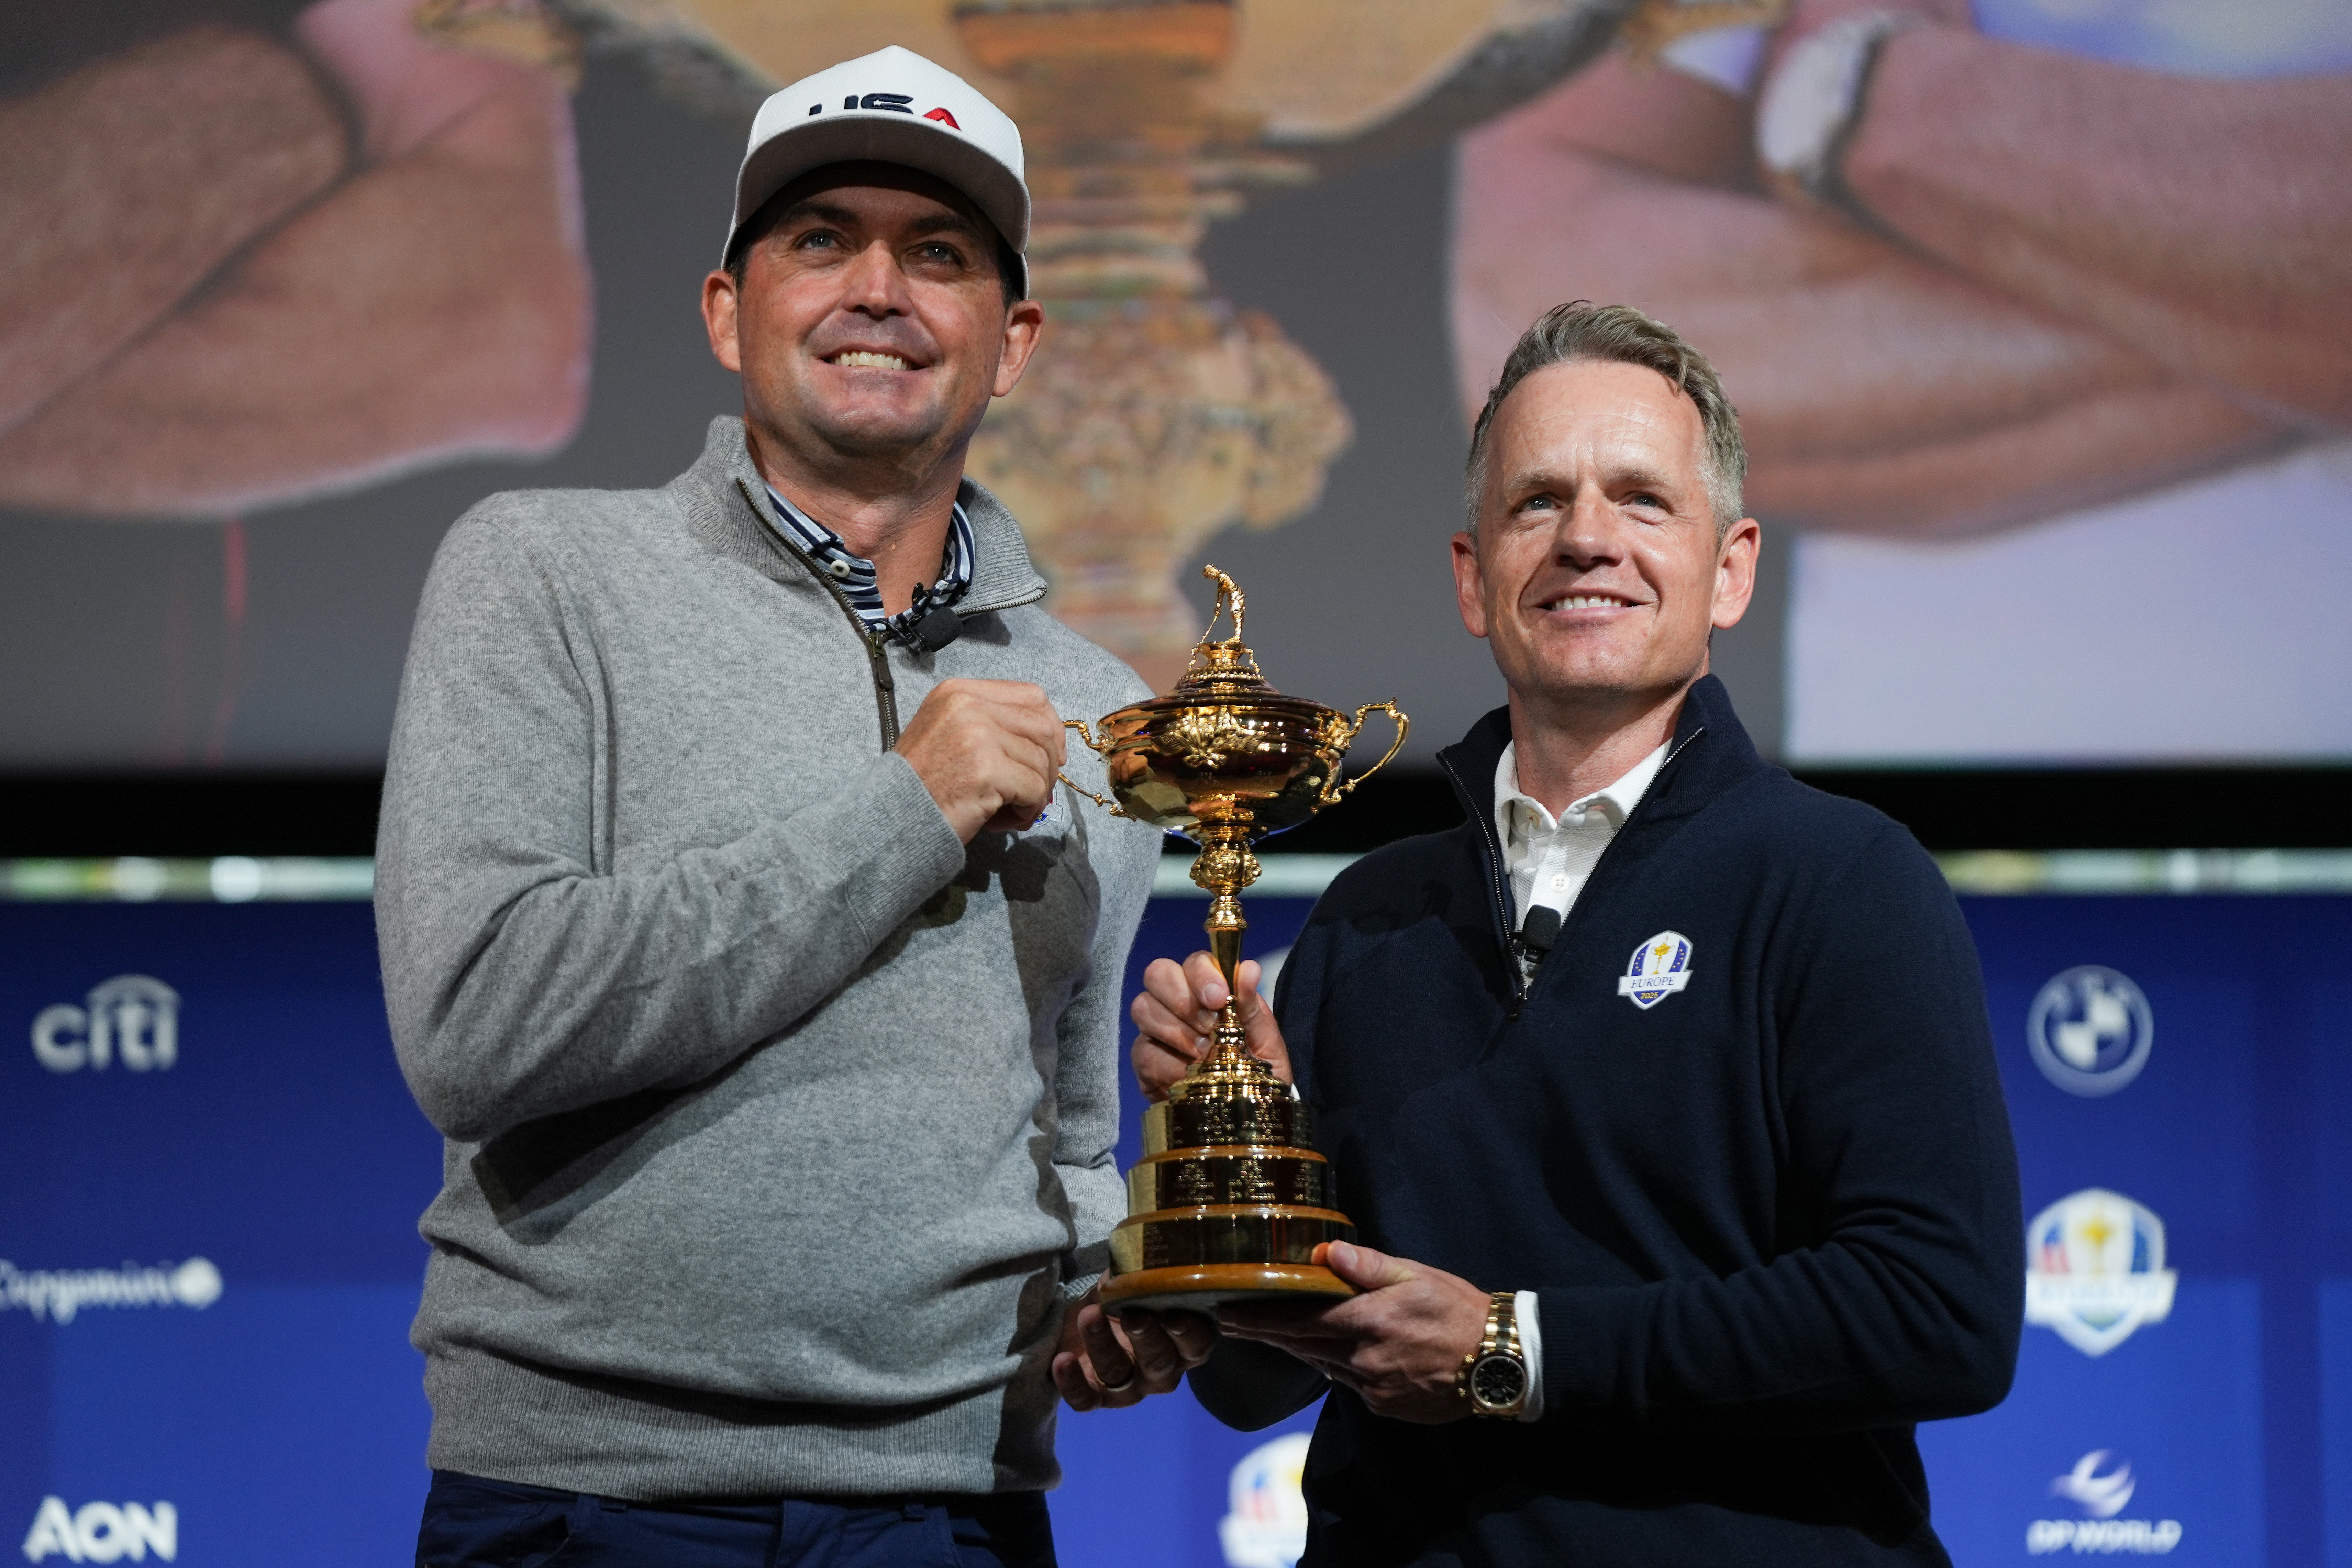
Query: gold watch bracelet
x,y
1501,1333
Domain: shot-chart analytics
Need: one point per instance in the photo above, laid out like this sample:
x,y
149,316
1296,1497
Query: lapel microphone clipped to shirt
x,y
937,626
1540,930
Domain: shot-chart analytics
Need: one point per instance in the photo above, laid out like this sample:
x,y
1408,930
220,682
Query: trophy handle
x,y
1094,746
1333,790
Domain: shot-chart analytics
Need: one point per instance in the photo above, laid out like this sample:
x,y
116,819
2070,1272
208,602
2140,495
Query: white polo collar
x,y
1519,815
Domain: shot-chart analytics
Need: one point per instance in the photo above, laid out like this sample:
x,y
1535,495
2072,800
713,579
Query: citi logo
x,y
103,1532
59,1295
134,1018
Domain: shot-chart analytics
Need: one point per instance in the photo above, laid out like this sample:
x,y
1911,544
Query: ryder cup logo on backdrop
x,y
131,1018
1661,967
1267,1525
2091,1030
2094,1270
2101,1491
103,1532
59,1295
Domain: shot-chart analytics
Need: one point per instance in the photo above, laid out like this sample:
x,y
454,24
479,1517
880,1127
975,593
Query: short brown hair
x,y
1583,330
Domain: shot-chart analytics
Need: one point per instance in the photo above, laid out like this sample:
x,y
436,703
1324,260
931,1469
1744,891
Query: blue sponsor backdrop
x,y
268,1395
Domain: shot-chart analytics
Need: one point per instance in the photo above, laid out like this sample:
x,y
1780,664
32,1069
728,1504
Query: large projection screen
x,y
2047,406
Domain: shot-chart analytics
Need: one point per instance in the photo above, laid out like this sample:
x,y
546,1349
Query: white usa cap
x,y
892,105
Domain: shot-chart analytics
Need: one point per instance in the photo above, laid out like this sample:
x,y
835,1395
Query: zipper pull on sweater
x,y
886,687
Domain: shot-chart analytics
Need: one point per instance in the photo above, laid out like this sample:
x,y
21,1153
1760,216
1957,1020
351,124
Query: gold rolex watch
x,y
1494,1377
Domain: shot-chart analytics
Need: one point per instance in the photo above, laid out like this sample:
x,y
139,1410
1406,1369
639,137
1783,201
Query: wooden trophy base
x,y
1203,1287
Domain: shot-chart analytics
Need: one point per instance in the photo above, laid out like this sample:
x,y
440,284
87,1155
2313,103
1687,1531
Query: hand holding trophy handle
x,y
1344,735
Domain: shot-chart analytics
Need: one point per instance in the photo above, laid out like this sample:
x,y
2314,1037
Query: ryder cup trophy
x,y
1230,1199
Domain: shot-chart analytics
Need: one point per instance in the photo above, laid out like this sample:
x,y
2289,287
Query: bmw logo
x,y
2090,1030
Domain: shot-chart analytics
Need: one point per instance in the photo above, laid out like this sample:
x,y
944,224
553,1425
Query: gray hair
x,y
1581,330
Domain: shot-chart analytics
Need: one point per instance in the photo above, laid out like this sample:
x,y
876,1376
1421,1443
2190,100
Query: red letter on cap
x,y
943,114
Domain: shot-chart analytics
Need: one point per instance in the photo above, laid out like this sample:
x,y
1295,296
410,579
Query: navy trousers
x,y
470,1522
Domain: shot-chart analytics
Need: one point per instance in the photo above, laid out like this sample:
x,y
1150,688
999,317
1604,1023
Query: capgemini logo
x,y
132,1017
59,1295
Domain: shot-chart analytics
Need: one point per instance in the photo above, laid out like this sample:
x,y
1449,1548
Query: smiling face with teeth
x,y
871,326
1598,571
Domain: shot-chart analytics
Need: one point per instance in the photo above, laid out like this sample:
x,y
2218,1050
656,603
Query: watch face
x,y
1498,1381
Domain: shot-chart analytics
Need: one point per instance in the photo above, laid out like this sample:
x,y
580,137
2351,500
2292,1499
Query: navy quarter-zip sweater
x,y
1772,1217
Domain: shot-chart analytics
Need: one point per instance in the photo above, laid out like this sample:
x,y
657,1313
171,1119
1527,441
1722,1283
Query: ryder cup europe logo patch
x,y
2095,1270
1661,967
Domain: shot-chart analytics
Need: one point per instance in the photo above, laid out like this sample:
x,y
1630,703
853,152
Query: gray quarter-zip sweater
x,y
780,1122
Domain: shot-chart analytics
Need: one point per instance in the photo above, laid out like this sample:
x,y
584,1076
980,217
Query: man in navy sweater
x,y
1661,1090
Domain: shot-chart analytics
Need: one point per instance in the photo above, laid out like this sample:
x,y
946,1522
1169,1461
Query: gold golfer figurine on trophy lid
x,y
1231,1198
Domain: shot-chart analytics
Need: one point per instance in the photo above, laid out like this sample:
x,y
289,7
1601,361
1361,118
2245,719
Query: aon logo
x,y
103,1532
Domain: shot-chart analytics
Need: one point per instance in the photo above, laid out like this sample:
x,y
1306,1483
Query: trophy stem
x,y
1226,926
1224,866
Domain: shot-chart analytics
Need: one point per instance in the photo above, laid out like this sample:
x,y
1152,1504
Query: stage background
x,y
274,1402
2056,501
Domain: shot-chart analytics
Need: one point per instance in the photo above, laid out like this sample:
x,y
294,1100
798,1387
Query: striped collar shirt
x,y
853,575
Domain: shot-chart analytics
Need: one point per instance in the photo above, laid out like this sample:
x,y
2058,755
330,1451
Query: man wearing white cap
x,y
775,1044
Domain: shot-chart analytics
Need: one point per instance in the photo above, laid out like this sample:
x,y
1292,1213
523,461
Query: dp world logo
x,y
131,1018
2090,1030
2094,1270
2101,1489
